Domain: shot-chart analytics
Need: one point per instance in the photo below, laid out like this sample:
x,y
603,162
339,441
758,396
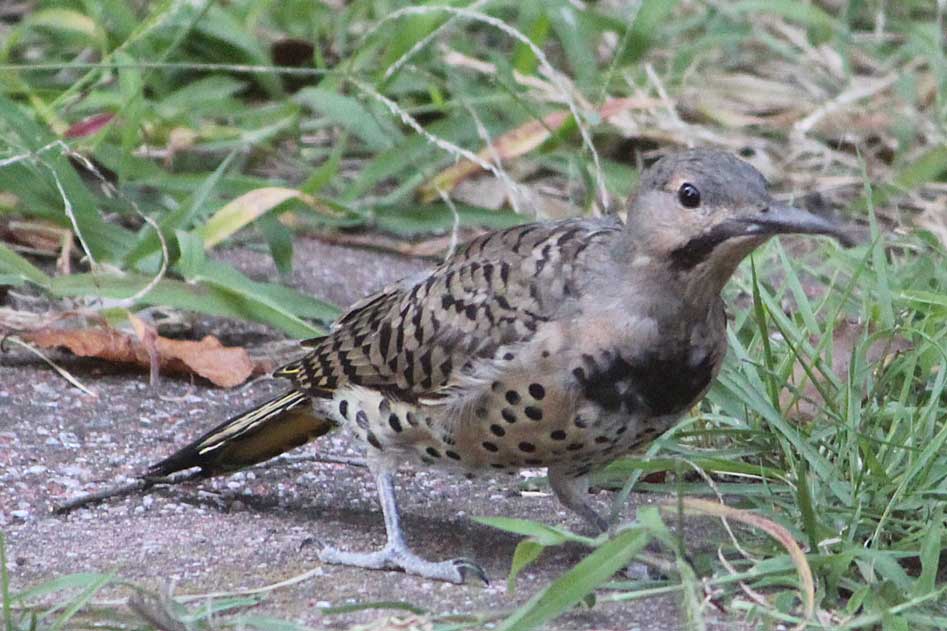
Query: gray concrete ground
x,y
259,527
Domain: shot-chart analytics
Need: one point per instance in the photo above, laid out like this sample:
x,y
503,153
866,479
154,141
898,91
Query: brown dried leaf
x,y
223,366
40,236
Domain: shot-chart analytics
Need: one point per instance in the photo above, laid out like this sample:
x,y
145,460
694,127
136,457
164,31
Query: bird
x,y
560,345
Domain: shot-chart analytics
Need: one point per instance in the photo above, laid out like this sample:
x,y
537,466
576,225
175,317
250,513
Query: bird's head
x,y
700,212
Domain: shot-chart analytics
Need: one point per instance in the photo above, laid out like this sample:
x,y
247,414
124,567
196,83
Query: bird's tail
x,y
264,432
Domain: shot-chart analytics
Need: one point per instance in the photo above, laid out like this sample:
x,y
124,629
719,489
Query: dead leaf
x,y
846,336
90,125
41,237
245,209
223,366
517,142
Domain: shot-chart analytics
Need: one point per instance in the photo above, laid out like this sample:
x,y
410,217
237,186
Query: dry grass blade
x,y
783,536
65,374
517,142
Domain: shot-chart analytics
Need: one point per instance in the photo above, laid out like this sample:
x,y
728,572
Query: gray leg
x,y
396,555
573,493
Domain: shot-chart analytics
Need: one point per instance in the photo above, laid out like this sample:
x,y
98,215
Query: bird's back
x,y
415,337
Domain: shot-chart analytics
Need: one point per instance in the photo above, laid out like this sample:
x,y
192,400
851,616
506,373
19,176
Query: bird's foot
x,y
642,572
651,565
392,558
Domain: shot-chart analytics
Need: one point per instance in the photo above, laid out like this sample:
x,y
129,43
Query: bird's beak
x,y
778,218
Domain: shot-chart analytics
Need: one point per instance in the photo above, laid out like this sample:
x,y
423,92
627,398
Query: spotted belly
x,y
511,425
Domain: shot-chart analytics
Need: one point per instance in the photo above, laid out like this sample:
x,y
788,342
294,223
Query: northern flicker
x,y
562,344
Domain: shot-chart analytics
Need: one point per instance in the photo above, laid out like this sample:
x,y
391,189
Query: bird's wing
x,y
410,338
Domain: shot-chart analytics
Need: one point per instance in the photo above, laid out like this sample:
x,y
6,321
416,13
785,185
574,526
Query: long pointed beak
x,y
778,218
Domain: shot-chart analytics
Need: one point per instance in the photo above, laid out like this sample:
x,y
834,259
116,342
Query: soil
x,y
264,525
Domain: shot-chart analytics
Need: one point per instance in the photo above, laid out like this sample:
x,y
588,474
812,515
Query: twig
x,y
179,477
119,490
20,157
442,143
127,303
424,41
455,226
484,134
726,524
67,208
753,595
62,371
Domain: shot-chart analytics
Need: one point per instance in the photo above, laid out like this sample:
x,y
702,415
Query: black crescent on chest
x,y
656,384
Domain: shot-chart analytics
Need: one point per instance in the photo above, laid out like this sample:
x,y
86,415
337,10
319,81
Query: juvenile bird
x,y
562,344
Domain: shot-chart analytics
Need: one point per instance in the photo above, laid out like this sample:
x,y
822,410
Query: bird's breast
x,y
653,383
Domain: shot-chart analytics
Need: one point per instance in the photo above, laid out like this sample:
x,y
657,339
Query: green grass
x,y
136,129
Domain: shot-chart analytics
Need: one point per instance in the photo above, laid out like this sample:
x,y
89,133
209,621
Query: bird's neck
x,y
702,286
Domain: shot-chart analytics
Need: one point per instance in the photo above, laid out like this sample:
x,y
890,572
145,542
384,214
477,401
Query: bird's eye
x,y
688,195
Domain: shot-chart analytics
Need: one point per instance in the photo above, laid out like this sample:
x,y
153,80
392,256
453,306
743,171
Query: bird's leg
x,y
573,493
396,555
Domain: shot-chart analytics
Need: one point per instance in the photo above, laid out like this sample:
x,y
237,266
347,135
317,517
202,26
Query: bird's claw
x,y
398,558
466,567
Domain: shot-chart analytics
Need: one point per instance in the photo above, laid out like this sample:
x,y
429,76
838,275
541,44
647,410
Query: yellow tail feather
x,y
264,432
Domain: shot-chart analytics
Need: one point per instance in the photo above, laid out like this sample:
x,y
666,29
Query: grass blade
x,y
570,588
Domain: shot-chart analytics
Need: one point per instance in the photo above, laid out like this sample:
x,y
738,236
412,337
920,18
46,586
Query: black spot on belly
x,y
394,422
361,419
490,447
508,415
527,447
512,397
558,435
662,384
453,455
536,391
344,408
433,452
533,462
533,413
373,440
497,430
